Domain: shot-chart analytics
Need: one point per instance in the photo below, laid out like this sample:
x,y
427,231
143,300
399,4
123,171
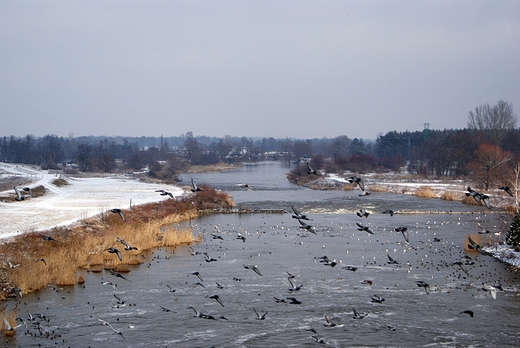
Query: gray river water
x,y
408,316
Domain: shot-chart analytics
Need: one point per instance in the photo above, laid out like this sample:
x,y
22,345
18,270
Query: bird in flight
x,y
507,189
404,231
258,316
110,326
118,211
306,226
194,187
311,170
164,193
115,251
363,228
126,244
298,215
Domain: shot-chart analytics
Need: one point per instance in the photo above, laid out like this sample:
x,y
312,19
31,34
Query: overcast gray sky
x,y
299,69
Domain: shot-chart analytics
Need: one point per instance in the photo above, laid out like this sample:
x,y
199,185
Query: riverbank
x,y
35,260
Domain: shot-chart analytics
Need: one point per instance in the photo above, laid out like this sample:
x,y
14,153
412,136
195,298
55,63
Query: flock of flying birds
x,y
294,287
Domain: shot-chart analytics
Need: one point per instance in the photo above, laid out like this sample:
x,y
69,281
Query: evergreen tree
x,y
513,236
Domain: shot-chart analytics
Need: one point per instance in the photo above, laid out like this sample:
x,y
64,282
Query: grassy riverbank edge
x,y
56,257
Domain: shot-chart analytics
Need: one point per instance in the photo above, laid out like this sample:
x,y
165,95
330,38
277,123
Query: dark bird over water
x,y
363,228
254,268
467,312
388,211
404,231
118,211
217,298
358,181
119,275
423,284
362,213
307,227
298,215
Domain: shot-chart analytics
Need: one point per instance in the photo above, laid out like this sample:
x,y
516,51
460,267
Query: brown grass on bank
x,y
378,188
447,196
84,246
425,192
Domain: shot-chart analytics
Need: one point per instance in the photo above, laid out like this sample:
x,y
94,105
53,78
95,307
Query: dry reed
x,y
425,192
447,196
83,247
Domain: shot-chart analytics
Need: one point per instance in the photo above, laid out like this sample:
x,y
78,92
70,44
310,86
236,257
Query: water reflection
x,y
155,316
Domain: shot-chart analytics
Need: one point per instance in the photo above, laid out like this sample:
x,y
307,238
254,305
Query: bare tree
x,y
494,121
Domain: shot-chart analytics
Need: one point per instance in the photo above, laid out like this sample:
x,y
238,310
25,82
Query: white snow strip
x,y
81,199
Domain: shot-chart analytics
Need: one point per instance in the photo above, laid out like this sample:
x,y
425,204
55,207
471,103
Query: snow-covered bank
x,y
80,199
504,253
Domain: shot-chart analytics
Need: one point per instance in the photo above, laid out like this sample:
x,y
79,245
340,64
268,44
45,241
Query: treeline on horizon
x,y
433,152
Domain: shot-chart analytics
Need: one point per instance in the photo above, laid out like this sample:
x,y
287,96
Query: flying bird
x,y
241,237
377,299
507,189
357,180
467,312
310,170
28,190
404,231
258,316
126,244
165,193
389,211
8,327
391,260
298,215
110,326
423,284
217,298
358,315
245,186
118,211
474,246
307,227
119,275
328,322
115,251
196,274
362,213
19,196
254,268
364,228
294,287
194,187
474,194
485,198
47,237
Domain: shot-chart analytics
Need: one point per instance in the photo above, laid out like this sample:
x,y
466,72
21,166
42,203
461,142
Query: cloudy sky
x,y
295,68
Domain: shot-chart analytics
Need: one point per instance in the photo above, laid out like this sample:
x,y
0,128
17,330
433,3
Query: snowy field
x,y
81,198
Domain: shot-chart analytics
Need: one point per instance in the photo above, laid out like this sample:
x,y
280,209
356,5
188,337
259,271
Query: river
x,y
409,316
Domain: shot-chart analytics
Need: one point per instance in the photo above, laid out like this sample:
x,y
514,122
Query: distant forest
x,y
487,149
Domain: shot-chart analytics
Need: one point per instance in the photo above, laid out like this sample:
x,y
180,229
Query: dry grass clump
x,y
59,182
42,262
511,209
447,196
379,188
425,192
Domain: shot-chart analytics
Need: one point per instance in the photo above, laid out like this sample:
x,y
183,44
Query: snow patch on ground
x,y
504,253
80,199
